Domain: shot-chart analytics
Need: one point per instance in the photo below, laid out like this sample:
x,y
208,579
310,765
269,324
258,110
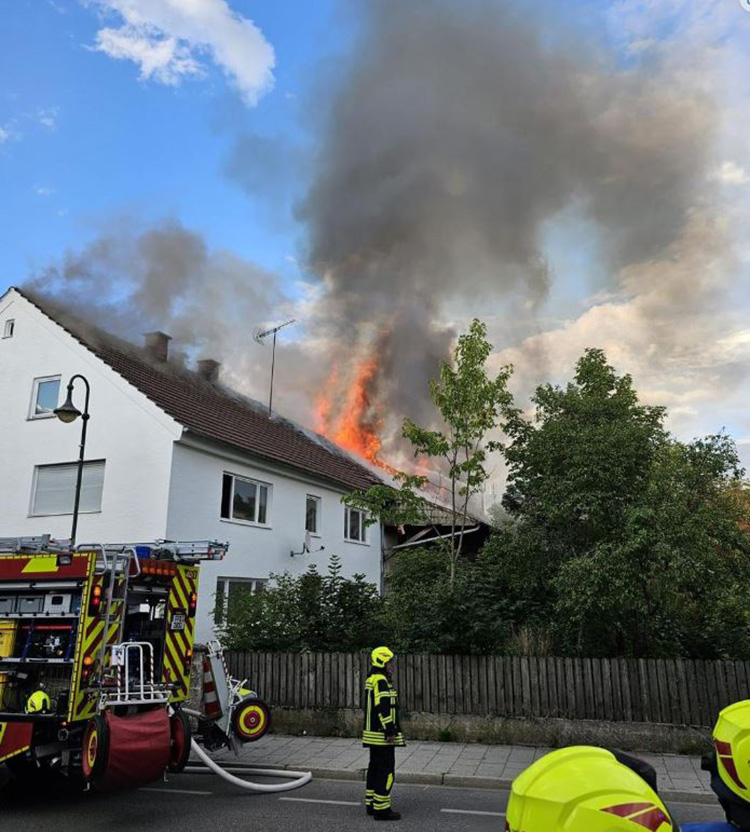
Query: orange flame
x,y
357,424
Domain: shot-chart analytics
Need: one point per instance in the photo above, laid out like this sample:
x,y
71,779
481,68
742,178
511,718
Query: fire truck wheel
x,y
251,720
95,748
179,749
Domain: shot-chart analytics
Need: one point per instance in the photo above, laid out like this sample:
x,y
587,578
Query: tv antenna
x,y
260,335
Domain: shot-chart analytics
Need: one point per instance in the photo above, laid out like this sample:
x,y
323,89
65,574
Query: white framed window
x,y
354,525
312,514
9,327
45,395
53,491
229,589
245,500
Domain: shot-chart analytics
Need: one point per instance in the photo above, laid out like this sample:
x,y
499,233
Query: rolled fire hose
x,y
301,777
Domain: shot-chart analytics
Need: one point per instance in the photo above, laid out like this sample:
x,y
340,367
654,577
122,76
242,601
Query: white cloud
x,y
672,327
167,39
48,117
9,132
730,173
41,190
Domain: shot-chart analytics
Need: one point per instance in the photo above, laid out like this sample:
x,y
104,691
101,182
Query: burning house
x,y
174,453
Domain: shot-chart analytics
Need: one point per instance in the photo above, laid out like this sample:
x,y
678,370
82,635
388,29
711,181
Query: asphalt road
x,y
204,802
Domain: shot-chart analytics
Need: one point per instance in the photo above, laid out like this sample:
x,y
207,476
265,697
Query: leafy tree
x,y
311,612
469,402
625,538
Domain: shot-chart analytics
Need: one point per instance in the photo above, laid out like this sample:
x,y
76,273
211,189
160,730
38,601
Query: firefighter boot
x,y
389,814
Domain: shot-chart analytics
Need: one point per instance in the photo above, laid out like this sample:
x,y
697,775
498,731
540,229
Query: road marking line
x,y
330,802
472,812
173,791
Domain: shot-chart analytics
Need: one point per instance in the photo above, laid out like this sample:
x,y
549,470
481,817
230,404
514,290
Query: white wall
x,y
126,429
154,485
254,552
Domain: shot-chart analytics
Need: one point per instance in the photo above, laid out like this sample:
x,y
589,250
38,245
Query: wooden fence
x,y
673,691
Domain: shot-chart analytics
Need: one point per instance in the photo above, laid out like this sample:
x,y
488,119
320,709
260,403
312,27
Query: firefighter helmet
x,y
381,656
583,789
37,703
731,740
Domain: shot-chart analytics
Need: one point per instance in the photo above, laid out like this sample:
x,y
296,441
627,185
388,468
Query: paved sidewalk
x,y
449,764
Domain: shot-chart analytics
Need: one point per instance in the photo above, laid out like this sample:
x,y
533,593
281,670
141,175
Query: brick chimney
x,y
208,369
157,345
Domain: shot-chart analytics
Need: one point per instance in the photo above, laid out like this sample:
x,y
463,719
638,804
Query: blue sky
x,y
90,141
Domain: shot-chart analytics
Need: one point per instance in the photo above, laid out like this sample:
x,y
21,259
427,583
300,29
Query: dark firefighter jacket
x,y
381,711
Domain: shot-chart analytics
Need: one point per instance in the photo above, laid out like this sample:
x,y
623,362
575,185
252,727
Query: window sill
x,y
246,523
65,513
40,417
357,542
313,534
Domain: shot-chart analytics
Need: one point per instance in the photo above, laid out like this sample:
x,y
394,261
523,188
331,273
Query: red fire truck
x,y
96,647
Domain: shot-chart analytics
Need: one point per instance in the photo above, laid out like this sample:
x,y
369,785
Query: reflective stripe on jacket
x,y
381,711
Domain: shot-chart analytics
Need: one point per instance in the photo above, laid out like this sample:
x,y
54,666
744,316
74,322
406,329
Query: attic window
x,y
9,328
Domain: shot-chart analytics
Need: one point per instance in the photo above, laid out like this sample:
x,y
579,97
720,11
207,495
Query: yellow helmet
x,y
731,739
37,703
584,789
381,656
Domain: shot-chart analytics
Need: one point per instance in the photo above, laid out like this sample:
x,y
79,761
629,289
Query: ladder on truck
x,y
181,551
32,545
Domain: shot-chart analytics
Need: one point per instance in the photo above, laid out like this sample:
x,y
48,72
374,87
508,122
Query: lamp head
x,y
67,412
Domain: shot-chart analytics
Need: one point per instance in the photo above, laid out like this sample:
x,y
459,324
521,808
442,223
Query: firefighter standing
x,y
382,733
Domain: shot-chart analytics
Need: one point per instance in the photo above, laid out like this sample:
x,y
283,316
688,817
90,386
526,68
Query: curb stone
x,y
416,778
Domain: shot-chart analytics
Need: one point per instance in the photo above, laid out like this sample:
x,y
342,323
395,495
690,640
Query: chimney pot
x,y
208,369
157,345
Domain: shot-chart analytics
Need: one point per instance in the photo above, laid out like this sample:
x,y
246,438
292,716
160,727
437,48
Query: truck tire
x,y
95,748
180,734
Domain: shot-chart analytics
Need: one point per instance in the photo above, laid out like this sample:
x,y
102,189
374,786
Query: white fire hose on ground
x,y
301,778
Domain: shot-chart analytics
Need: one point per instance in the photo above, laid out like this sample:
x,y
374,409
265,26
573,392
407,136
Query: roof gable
x,y
211,410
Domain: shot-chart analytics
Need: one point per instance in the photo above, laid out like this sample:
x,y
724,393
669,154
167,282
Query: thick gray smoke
x,y
455,132
130,281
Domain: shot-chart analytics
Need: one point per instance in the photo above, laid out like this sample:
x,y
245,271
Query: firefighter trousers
x,y
380,774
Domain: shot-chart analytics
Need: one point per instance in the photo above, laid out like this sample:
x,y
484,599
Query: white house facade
x,y
170,454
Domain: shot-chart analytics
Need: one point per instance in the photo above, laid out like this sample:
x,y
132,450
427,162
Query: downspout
x,y
382,557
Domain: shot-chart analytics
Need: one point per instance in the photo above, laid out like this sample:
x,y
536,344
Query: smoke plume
x,y
455,133
131,280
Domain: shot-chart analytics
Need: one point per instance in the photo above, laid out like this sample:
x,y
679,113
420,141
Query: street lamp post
x,y
68,413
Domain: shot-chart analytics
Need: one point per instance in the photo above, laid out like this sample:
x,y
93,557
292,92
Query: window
x,y
312,514
228,590
44,397
354,525
245,500
9,328
55,485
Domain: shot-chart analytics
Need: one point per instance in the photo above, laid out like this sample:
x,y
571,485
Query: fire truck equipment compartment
x,y
29,604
